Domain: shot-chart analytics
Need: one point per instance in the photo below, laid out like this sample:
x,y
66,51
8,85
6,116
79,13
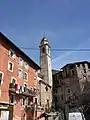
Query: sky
x,y
66,24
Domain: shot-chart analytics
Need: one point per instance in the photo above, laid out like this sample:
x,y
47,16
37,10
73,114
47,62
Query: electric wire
x,y
58,49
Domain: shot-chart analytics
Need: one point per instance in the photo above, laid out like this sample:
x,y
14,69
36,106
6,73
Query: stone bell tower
x,y
45,61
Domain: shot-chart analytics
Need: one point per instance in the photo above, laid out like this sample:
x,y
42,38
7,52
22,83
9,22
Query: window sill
x,y
10,70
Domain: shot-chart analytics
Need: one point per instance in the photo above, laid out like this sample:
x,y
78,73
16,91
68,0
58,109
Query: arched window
x,y
43,50
46,88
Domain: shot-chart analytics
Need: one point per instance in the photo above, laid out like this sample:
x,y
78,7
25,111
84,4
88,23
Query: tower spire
x,y
44,35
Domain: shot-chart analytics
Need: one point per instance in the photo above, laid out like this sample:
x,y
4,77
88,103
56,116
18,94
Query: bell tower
x,y
45,61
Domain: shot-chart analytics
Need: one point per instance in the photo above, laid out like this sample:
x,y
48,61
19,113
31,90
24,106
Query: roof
x,y
44,39
75,63
32,63
55,71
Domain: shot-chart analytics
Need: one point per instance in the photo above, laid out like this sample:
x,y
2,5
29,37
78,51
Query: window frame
x,y
2,75
11,50
21,61
29,101
84,70
26,74
73,72
43,50
46,88
13,98
26,84
18,73
83,65
23,98
69,90
12,66
26,65
12,79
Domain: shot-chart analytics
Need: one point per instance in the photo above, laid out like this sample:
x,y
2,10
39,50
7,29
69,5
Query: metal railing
x,y
25,91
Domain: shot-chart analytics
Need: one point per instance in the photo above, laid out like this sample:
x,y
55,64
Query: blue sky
x,y
65,22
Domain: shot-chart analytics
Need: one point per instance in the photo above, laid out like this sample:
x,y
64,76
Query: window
x,y
68,90
84,70
83,65
56,99
88,66
21,62
1,77
12,53
13,80
35,100
48,103
10,66
30,100
26,65
61,97
73,72
25,76
61,75
43,50
57,81
69,98
23,101
66,73
46,88
20,73
12,98
78,65
25,85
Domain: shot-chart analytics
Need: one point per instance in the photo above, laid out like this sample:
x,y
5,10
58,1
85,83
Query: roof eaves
x,y
35,65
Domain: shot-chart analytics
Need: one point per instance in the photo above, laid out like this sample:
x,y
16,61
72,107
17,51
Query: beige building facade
x,y
70,81
46,72
44,97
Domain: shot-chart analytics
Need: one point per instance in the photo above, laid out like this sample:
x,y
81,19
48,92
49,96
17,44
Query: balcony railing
x,y
29,91
11,87
23,90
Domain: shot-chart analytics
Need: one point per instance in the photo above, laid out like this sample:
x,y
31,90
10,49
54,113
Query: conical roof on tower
x,y
44,41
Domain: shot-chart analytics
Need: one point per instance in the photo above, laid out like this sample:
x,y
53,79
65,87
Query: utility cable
x,y
59,49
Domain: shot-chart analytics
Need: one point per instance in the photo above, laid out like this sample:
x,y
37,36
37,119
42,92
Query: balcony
x,y
29,92
12,87
22,90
